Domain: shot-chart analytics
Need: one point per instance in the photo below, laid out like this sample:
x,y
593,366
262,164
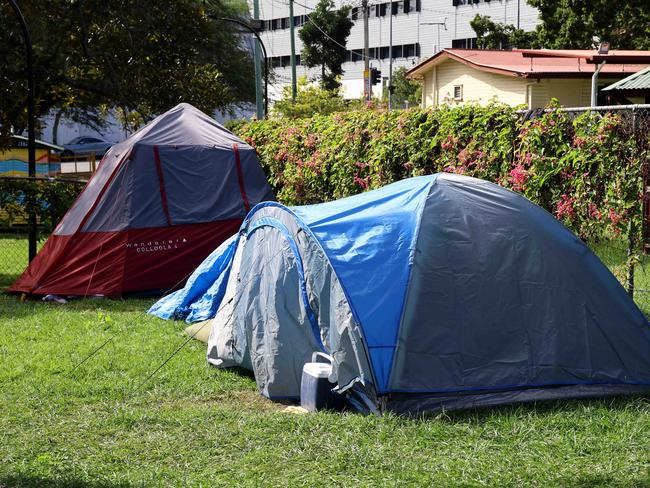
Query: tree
x,y
495,35
571,24
139,57
405,91
311,100
324,38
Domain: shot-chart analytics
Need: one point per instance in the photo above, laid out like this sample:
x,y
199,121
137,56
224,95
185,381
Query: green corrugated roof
x,y
638,81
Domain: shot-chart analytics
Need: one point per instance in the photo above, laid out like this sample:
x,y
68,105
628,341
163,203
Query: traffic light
x,y
375,76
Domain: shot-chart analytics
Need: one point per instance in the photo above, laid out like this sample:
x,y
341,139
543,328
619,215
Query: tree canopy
x,y
141,57
405,91
324,37
494,35
571,24
312,100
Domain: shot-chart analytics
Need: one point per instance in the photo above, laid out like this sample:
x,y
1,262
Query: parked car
x,y
86,145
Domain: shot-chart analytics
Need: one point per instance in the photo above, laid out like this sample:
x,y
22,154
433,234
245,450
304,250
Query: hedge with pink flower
x,y
586,170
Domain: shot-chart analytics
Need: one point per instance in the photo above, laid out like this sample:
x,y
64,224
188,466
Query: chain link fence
x,y
48,199
627,255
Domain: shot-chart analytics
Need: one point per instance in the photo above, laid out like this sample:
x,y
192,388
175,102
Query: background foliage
x,y
139,57
49,200
324,37
571,24
587,170
311,100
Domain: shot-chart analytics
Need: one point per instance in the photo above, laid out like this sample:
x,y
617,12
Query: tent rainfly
x,y
435,292
157,205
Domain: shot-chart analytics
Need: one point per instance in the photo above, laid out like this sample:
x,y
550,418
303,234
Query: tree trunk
x,y
55,127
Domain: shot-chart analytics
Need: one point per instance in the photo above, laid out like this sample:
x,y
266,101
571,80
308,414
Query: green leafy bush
x,y
587,171
49,200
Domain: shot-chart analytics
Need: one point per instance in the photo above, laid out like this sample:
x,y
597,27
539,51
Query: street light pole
x,y
31,118
292,35
390,58
258,79
266,58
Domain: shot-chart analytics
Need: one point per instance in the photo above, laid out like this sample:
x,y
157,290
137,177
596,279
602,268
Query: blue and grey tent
x,y
440,291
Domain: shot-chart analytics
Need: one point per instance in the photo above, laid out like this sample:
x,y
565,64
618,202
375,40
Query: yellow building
x,y
529,77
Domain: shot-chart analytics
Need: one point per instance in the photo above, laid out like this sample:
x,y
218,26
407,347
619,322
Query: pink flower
x,y
518,177
567,175
449,142
565,208
361,182
311,141
616,219
459,170
463,156
282,155
594,212
579,141
526,159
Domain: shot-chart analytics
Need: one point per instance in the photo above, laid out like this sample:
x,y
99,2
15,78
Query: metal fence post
x,y
631,245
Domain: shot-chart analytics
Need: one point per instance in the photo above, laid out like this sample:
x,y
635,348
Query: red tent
x,y
158,204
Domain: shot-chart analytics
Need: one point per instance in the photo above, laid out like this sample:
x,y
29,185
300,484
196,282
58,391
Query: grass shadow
x,y
542,408
11,304
19,481
7,279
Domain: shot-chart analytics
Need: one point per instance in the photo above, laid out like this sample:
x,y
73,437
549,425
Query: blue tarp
x,y
202,294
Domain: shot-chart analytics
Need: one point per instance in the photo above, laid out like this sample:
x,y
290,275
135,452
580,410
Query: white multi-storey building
x,y
420,29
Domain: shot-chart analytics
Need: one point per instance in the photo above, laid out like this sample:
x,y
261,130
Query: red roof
x,y
541,63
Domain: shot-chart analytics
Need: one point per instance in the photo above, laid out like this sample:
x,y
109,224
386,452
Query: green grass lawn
x,y
193,425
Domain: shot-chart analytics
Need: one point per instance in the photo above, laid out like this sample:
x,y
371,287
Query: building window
x,y
355,13
469,43
399,51
409,51
458,93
